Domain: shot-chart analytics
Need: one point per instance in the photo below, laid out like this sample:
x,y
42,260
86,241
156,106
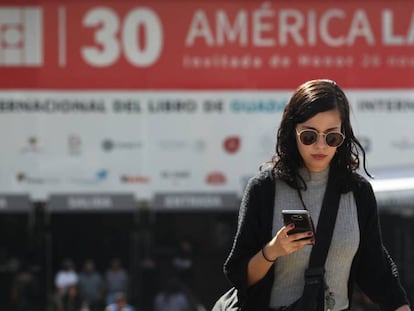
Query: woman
x,y
266,263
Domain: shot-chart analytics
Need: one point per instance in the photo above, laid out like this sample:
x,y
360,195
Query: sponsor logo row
x,y
103,175
75,145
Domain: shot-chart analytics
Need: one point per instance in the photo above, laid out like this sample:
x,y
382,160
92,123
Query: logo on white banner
x,y
21,37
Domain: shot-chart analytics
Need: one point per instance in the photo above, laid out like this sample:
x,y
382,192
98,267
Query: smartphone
x,y
302,220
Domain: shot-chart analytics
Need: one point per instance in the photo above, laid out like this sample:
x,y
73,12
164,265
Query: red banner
x,y
205,44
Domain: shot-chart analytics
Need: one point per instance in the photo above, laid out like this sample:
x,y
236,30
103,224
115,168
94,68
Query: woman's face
x,y
317,156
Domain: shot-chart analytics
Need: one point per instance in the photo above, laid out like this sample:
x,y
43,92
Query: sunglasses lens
x,y
308,137
334,139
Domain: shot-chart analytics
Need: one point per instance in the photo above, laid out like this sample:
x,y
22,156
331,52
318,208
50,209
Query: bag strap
x,y
325,227
313,296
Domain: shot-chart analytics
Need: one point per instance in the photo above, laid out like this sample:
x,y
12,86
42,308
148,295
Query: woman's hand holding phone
x,y
285,243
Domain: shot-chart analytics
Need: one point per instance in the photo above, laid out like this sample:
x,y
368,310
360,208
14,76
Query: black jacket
x,y
372,268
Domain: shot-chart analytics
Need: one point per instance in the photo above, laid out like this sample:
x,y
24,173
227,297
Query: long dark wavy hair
x,y
309,99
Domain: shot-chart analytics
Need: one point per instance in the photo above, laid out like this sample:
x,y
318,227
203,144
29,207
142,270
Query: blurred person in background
x,y
91,287
25,294
182,262
315,149
116,280
71,300
65,278
120,303
174,296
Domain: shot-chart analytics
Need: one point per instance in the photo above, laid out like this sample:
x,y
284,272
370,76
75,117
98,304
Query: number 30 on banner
x,y
108,47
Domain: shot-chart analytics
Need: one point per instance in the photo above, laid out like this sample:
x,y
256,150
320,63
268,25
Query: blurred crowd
x,y
88,289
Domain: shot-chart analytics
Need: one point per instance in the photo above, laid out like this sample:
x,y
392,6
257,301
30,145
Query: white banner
x,y
147,143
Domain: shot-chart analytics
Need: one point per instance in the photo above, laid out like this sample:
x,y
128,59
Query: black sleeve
x,y
249,236
377,274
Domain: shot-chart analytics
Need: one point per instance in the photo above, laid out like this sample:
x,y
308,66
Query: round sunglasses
x,y
309,137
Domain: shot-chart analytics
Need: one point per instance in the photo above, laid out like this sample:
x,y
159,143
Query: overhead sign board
x,y
14,203
91,202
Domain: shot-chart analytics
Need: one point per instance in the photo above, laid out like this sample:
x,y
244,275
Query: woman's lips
x,y
319,156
